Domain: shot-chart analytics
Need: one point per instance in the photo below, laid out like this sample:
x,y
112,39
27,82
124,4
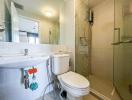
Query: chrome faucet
x,y
25,52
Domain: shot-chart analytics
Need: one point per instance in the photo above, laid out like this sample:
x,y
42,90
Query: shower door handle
x,y
126,41
116,43
122,42
118,33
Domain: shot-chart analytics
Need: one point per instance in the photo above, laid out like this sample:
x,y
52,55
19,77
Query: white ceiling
x,y
39,6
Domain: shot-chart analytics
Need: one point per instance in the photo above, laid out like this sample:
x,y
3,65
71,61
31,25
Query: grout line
x,y
93,94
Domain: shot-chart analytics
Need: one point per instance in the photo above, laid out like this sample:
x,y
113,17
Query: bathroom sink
x,y
21,61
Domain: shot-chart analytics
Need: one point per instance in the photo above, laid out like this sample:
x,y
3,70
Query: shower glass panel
x,y
123,48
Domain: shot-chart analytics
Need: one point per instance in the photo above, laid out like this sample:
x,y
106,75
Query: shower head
x,y
91,16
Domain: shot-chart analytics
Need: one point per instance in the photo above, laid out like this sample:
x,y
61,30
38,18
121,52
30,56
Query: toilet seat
x,y
74,83
74,80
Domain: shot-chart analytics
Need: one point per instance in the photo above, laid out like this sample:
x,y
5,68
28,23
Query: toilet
x,y
74,84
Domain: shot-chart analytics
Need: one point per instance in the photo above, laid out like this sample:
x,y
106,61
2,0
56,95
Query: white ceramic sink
x,y
21,61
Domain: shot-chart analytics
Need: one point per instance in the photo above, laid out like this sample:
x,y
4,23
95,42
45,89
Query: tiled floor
x,y
90,97
103,87
123,89
51,96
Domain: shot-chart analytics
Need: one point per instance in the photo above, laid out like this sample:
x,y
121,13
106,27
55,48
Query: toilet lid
x,y
75,80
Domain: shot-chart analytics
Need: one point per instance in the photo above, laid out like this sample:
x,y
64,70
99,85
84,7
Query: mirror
x,y
30,21
5,21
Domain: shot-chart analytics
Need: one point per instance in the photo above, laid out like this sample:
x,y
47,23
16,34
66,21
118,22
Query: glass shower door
x,y
123,48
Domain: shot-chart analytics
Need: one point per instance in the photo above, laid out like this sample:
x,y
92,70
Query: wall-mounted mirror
x,y
30,21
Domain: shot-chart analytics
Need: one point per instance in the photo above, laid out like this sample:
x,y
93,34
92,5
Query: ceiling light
x,y
48,11
48,14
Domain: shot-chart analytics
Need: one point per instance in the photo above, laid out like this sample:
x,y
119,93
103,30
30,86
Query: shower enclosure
x,y
123,48
94,52
100,64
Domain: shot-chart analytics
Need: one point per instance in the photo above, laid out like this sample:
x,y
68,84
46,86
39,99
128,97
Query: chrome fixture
x,y
26,79
25,52
2,28
119,41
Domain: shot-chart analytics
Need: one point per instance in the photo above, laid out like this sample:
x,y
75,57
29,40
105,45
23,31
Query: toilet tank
x,y
60,63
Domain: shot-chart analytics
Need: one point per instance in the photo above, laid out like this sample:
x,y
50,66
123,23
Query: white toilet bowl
x,y
75,84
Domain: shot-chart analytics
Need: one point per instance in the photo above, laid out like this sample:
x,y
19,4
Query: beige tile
x,y
116,97
102,86
82,27
90,97
102,37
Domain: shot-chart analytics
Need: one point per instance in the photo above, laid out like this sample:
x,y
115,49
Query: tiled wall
x,y
83,57
67,27
102,37
18,48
